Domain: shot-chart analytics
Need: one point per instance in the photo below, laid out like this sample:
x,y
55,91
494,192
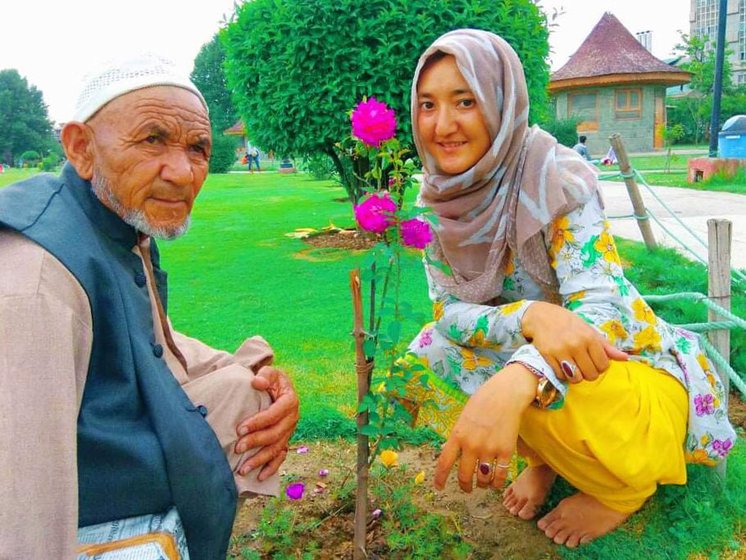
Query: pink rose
x,y
373,122
416,233
295,491
375,213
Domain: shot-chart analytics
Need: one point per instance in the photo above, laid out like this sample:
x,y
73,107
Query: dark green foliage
x,y
564,130
23,118
320,167
209,77
49,163
223,153
298,67
30,158
693,111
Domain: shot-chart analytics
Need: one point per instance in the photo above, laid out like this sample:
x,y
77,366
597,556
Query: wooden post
x,y
363,368
633,190
719,290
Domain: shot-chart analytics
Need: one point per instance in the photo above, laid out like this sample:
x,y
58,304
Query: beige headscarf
x,y
523,183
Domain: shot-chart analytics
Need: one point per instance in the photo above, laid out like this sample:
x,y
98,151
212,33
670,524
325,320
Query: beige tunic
x,y
45,344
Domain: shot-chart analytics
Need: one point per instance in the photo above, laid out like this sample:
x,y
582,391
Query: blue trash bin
x,y
732,138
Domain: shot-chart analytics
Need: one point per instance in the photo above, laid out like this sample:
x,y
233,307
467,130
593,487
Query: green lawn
x,y
236,274
658,170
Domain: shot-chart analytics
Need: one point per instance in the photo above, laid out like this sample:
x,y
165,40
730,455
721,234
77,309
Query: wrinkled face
x,y
151,150
450,124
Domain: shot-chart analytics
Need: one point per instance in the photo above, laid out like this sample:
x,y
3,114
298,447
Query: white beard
x,y
135,218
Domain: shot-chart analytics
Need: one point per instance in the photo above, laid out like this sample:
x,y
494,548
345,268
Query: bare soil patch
x,y
478,517
342,239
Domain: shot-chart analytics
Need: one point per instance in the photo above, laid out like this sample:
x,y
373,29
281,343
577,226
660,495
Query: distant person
x,y
116,427
253,154
609,158
581,148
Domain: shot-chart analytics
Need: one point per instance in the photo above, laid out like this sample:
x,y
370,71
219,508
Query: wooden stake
x,y
633,190
363,368
719,290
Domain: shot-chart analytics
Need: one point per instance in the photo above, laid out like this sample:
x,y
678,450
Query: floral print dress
x,y
467,343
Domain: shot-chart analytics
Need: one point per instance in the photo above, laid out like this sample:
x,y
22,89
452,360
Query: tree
x,y
693,111
23,118
297,68
209,77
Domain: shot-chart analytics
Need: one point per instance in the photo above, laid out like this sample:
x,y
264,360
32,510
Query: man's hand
x,y
271,429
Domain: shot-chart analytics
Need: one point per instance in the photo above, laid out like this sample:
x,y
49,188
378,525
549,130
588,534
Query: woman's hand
x,y
574,349
487,429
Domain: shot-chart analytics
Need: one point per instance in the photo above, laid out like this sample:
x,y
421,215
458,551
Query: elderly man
x,y
113,426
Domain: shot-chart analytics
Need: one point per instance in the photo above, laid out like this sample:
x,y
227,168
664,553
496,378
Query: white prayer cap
x,y
120,76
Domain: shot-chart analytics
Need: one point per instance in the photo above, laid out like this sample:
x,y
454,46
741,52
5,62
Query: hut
x,y
614,84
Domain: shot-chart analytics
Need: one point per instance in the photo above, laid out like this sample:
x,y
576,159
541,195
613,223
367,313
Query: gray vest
x,y
143,446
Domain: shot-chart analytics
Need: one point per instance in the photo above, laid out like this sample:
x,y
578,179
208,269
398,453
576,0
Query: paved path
x,y
693,207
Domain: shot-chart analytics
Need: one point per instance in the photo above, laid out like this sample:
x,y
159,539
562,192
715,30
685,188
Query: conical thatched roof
x,y
611,55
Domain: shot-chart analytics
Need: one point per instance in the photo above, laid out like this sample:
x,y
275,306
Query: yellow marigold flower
x,y
605,245
561,234
614,331
647,339
438,308
643,312
420,478
389,458
509,308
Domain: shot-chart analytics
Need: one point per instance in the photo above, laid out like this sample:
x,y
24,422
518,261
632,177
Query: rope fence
x,y
738,276
728,321
733,322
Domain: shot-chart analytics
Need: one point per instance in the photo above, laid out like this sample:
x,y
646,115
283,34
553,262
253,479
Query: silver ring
x,y
568,368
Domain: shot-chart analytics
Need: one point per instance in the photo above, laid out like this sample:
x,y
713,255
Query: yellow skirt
x,y
615,438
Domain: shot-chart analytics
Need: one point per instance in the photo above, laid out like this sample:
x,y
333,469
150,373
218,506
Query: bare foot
x,y
579,519
525,496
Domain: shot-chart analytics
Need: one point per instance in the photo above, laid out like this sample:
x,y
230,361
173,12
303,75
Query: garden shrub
x,y
30,158
295,72
223,153
49,163
564,130
320,167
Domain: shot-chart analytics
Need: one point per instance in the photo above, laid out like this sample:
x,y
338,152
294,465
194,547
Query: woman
x,y
537,333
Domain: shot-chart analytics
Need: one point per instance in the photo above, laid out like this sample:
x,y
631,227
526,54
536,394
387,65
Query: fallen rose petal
x,y
295,491
323,472
420,478
303,449
376,513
